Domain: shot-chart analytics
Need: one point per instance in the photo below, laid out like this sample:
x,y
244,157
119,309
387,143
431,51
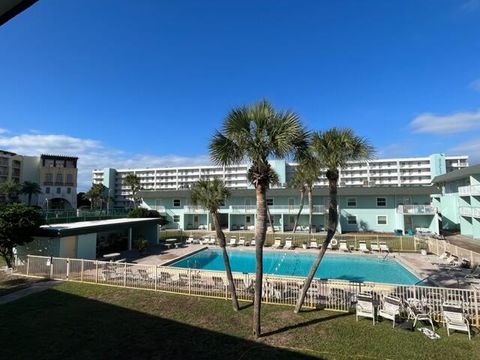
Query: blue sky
x,y
129,83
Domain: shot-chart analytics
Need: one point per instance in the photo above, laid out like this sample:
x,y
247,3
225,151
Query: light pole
x,y
46,210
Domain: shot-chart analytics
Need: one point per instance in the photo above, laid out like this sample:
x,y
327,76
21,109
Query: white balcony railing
x,y
194,209
469,190
416,209
470,211
293,209
242,209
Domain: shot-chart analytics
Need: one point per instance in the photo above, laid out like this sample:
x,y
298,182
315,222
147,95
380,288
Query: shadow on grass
x,y
305,323
59,325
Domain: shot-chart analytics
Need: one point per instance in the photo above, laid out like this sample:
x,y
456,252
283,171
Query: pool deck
x,y
424,267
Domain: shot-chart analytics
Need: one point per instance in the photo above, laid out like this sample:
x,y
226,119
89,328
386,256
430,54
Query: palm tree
x,y
306,174
210,195
96,194
133,181
30,188
257,133
333,148
10,189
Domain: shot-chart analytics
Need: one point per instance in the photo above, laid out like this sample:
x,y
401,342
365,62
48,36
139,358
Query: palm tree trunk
x,y
226,260
310,209
332,227
270,220
260,232
302,199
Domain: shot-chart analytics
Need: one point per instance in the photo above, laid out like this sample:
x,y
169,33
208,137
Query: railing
x,y
416,209
331,294
469,190
61,217
469,211
439,247
294,209
194,209
240,209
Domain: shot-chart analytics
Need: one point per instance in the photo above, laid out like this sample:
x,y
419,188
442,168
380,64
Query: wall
x,y
87,246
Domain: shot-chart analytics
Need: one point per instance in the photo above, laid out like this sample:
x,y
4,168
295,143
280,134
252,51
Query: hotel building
x,y
377,195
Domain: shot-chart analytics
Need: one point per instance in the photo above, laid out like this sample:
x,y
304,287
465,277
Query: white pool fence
x,y
338,295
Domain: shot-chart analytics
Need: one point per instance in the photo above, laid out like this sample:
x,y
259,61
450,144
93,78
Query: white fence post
x,y
156,277
28,264
51,267
68,268
125,275
81,271
96,271
189,281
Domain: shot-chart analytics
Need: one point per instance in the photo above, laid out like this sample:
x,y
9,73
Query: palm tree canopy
x,y
210,194
31,188
132,180
10,187
306,174
335,147
257,133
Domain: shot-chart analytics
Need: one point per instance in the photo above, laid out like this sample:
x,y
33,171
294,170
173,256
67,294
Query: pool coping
x,y
178,258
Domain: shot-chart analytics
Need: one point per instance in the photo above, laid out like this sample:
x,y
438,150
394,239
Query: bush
x,y
143,213
140,244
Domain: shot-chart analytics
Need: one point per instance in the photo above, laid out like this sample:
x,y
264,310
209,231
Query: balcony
x,y
469,190
470,211
194,209
243,209
416,209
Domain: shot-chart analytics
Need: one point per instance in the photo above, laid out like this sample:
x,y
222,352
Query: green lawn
x,y
83,321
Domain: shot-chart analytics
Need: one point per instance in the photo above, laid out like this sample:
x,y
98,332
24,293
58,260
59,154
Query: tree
x,y
11,189
30,188
97,195
146,213
333,148
211,195
133,182
83,201
18,222
256,134
306,173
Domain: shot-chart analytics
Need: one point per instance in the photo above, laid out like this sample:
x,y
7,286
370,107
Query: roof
x,y
457,174
63,157
88,227
319,191
11,8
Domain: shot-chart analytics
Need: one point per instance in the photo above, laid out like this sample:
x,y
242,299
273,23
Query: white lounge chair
x,y
241,241
253,242
474,274
233,241
313,244
384,247
455,319
375,247
362,246
418,312
204,241
277,244
211,241
288,245
390,308
365,307
343,246
190,240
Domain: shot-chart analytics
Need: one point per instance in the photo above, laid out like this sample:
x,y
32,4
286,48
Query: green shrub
x,y
140,244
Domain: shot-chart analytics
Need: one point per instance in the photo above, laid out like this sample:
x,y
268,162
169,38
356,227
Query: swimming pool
x,y
333,266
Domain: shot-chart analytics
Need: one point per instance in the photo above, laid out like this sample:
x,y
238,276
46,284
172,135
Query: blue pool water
x,y
346,267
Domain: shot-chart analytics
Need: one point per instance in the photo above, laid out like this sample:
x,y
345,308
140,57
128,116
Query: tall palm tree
x,y
210,195
11,189
30,188
257,133
133,181
333,148
96,195
304,178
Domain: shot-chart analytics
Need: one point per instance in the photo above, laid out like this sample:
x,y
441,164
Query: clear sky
x,y
145,83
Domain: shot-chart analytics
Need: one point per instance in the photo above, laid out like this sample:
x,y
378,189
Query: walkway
x,y
464,242
34,288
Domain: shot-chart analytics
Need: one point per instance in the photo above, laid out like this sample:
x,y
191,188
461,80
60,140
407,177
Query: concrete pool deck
x,y
424,267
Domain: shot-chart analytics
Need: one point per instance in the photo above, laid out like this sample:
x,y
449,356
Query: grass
x,y
83,321
10,283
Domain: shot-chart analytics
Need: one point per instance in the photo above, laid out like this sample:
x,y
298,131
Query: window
x,y
269,202
69,190
351,202
59,190
176,202
59,179
48,177
176,218
352,220
47,190
247,218
381,202
381,219
69,179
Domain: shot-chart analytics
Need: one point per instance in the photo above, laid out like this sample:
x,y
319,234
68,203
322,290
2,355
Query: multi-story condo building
x,y
56,175
395,172
459,201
